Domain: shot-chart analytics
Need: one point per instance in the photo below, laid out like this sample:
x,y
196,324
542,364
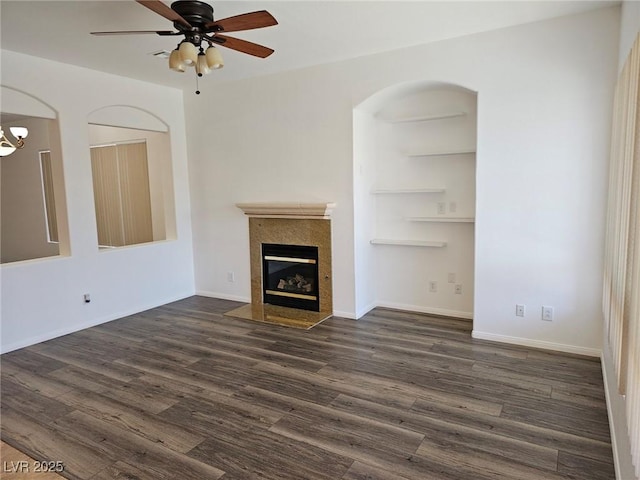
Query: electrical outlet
x,y
231,277
458,289
520,309
433,286
547,313
442,208
453,207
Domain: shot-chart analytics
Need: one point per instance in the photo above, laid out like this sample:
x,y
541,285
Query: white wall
x,y
544,109
44,298
364,174
277,138
543,145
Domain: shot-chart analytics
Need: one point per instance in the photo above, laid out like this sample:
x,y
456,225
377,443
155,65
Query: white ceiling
x,y
309,32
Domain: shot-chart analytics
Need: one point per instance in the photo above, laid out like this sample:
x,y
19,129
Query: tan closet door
x,y
106,192
135,195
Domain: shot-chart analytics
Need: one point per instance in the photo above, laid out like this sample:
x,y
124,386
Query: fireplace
x,y
290,276
295,282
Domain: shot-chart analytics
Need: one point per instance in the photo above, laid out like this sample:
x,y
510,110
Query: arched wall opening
x,y
33,203
415,199
132,176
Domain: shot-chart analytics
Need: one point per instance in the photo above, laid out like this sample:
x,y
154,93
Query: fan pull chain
x,y
197,86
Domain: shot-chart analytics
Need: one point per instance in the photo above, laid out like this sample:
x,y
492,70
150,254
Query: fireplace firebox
x,y
290,276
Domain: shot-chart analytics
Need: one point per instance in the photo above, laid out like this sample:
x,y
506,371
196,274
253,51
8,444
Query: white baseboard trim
x,y
223,296
405,308
616,411
363,311
527,342
342,314
84,325
429,310
612,424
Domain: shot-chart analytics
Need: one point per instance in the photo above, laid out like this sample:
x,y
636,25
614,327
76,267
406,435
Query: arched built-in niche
x,y
33,221
117,134
414,199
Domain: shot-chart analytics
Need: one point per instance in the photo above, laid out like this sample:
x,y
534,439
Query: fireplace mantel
x,y
287,210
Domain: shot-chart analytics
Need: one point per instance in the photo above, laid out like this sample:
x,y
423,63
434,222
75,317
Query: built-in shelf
x,y
379,191
408,243
441,219
444,153
427,118
421,191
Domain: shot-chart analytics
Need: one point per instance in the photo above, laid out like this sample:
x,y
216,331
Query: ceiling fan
x,y
194,20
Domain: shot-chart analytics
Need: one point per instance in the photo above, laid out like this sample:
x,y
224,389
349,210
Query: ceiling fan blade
x,y
137,32
162,9
246,21
242,46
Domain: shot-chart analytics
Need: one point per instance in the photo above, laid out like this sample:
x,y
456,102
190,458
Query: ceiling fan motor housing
x,y
198,14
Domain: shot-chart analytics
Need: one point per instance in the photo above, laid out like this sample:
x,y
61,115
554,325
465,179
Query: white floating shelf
x,y
427,118
408,190
441,154
408,243
441,219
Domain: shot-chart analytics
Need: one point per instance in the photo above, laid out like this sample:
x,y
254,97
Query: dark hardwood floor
x,y
182,392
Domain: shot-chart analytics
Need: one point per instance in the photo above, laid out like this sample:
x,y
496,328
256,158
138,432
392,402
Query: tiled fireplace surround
x,y
288,224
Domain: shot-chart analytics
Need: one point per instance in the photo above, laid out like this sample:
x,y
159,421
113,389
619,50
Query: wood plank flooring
x,y
18,466
183,392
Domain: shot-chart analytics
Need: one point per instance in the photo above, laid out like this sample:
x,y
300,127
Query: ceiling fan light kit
x,y
175,61
194,20
201,65
188,53
214,58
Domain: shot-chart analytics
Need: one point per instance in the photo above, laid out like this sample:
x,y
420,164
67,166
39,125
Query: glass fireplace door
x,y
290,276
